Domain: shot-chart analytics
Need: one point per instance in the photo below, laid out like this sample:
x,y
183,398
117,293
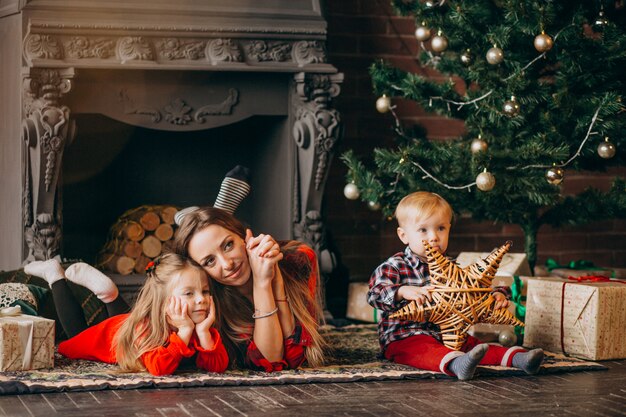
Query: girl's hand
x,y
501,301
418,294
177,314
204,326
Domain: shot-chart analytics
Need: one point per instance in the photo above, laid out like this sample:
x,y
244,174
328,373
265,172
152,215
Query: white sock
x,y
94,280
50,270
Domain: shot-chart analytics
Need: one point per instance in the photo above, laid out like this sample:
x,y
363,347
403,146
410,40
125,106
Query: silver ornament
x,y
383,104
467,57
351,191
478,145
555,175
495,55
373,205
422,33
485,181
606,149
507,338
543,42
600,23
438,43
511,107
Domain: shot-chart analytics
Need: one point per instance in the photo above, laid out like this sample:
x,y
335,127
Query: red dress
x,y
295,344
96,344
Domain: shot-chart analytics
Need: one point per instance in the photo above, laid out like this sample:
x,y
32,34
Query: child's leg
x,y
423,352
496,354
69,310
94,280
117,306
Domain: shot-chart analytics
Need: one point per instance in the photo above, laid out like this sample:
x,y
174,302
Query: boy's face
x,y
434,229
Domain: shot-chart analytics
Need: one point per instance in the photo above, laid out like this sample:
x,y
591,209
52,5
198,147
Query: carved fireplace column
x,y
316,130
46,130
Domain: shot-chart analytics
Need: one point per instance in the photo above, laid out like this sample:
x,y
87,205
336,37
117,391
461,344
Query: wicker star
x,y
461,297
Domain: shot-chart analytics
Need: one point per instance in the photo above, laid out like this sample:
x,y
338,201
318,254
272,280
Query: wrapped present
x,y
26,342
511,264
358,307
577,268
583,318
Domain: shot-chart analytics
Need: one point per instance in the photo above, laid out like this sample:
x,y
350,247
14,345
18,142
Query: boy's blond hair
x,y
420,205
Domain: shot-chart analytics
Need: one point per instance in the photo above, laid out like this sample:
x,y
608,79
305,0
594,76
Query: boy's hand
x,y
501,301
419,294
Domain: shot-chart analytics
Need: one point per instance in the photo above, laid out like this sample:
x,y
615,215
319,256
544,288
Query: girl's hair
x,y
146,327
421,205
234,320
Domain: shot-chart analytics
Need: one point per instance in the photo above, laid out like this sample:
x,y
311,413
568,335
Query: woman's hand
x,y
501,301
263,254
203,328
418,294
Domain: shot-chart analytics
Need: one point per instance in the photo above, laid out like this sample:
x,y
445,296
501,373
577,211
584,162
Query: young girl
x,y
169,325
267,294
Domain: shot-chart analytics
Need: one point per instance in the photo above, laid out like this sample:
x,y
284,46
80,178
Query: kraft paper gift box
x,y
26,342
358,307
582,319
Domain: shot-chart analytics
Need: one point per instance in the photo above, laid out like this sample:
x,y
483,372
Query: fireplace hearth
x,y
123,103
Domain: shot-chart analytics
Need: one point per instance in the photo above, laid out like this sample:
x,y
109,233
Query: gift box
x,y
358,307
579,318
26,342
512,263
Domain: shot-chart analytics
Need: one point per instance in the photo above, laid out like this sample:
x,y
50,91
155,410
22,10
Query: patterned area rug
x,y
353,351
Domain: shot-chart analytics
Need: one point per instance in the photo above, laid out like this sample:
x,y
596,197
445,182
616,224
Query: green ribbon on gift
x,y
579,264
518,299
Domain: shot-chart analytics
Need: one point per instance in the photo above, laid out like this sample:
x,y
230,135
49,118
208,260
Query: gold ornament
x,y
422,33
485,181
495,55
511,107
543,42
606,149
467,57
555,175
351,191
373,205
383,104
478,145
461,297
438,43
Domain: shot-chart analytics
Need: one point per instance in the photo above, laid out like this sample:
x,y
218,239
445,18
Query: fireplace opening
x,y
111,167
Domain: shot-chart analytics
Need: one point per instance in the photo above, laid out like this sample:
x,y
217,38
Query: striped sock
x,y
235,187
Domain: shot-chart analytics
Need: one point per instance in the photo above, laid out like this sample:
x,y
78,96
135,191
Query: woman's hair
x,y
146,327
421,205
234,320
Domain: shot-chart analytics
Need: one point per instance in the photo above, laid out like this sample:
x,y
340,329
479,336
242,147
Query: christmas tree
x,y
540,87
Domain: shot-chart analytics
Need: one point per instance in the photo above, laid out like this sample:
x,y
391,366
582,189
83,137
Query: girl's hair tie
x,y
151,267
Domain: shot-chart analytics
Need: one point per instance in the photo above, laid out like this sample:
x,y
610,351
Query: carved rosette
x,y
134,48
42,47
308,52
269,51
223,50
46,129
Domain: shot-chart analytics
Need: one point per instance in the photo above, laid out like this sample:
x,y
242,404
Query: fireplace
x,y
126,103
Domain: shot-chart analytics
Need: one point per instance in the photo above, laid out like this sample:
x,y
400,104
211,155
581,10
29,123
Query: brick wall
x,y
361,31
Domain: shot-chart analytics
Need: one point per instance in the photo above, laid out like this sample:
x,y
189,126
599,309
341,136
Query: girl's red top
x,y
96,344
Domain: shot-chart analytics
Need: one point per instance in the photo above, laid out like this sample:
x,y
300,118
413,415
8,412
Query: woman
x,y
266,294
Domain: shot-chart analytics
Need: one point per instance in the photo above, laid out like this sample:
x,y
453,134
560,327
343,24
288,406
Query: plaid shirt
x,y
403,268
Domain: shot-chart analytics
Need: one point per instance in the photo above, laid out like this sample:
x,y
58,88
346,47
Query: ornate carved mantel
x,y
86,56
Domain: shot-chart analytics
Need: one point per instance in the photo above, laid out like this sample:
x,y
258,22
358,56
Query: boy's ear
x,y
402,235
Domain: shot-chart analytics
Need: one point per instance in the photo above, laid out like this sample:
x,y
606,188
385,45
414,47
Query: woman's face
x,y
222,254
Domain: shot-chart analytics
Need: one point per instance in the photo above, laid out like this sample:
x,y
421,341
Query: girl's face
x,y
222,254
191,286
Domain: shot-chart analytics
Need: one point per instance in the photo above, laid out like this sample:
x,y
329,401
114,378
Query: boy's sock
x,y
464,366
529,362
50,270
94,280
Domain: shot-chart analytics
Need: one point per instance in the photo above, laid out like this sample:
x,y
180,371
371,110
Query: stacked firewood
x,y
139,235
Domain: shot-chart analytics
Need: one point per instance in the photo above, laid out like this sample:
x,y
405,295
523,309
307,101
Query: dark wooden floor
x,y
597,393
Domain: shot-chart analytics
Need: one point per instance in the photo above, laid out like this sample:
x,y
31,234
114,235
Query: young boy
x,y
405,277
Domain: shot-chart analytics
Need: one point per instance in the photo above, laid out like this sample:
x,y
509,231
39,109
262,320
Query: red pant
x,y
425,352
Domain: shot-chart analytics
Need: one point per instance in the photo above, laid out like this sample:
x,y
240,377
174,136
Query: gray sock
x,y
464,366
529,362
